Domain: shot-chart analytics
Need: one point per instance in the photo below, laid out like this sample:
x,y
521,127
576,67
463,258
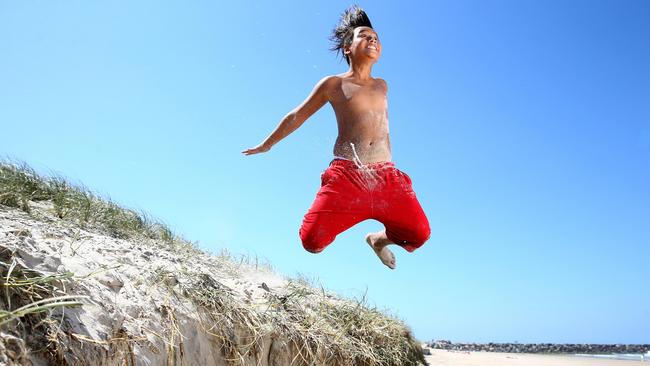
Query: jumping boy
x,y
361,182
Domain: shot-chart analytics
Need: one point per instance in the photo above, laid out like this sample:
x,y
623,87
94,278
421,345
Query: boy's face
x,y
364,42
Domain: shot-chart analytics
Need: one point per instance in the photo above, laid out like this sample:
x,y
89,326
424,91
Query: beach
x,y
453,358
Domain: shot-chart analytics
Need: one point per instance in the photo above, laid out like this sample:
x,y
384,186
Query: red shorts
x,y
350,194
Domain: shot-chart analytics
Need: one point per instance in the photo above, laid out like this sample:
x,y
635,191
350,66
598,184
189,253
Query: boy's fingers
x,y
250,151
256,150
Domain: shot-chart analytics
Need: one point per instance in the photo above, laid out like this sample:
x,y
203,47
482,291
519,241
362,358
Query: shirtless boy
x,y
361,182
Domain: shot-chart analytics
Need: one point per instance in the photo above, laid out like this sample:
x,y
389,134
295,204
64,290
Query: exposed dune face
x,y
73,294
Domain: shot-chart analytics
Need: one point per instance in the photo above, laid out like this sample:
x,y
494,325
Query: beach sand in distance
x,y
444,358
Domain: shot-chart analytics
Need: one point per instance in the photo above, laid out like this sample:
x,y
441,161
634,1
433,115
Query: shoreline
x,y
439,357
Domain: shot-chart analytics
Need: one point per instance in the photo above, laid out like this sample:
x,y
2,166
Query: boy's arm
x,y
294,119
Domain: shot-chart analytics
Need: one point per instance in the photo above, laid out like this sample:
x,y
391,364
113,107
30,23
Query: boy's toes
x,y
391,262
387,257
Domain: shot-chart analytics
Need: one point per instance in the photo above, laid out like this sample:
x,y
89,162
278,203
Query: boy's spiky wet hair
x,y
342,34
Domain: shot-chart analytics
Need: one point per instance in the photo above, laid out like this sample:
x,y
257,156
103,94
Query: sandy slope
x,y
444,358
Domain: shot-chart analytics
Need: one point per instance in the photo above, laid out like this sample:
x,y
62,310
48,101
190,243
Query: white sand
x,y
444,358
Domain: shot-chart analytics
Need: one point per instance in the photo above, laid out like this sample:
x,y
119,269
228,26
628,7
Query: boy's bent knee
x,y
312,243
419,237
311,249
313,246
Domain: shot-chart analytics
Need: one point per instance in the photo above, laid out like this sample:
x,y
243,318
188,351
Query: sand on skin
x,y
443,358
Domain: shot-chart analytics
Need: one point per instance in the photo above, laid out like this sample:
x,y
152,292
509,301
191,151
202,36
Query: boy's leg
x,y
339,204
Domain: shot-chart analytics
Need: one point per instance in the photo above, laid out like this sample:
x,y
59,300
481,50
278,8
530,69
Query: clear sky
x,y
524,125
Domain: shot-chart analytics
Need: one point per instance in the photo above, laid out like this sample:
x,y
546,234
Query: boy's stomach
x,y
366,151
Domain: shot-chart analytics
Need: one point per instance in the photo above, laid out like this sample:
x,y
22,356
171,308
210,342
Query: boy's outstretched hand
x,y
256,150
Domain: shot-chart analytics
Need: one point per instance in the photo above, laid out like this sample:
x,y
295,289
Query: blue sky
x,y
525,126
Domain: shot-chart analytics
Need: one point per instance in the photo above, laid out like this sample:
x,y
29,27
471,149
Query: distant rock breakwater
x,y
541,347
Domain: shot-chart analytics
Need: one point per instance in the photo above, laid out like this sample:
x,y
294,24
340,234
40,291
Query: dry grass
x,y
235,326
321,329
345,331
28,292
28,302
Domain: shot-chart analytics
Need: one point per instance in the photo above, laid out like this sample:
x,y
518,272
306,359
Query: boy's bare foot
x,y
379,244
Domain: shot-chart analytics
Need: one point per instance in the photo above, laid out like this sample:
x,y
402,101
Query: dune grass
x,y
28,292
28,300
20,185
321,328
326,327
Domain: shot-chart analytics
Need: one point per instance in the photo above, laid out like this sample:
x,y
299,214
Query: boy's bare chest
x,y
354,97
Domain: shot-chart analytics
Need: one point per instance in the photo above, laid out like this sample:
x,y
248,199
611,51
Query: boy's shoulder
x,y
331,80
383,83
328,82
